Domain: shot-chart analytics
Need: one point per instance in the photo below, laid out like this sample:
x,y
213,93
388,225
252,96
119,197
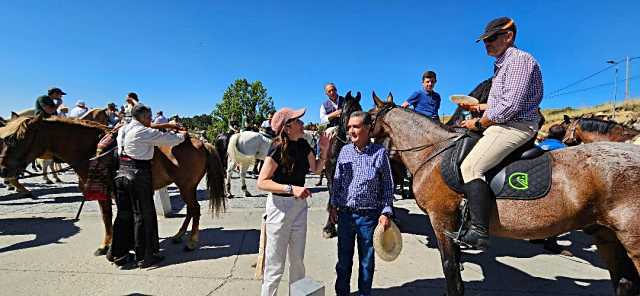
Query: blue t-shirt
x,y
425,103
551,144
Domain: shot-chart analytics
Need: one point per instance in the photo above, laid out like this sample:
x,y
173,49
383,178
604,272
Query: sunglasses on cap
x,y
494,37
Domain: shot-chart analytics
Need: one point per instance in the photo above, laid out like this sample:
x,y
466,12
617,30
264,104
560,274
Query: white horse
x,y
244,148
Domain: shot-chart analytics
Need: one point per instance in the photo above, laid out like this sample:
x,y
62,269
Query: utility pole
x,y
628,71
615,88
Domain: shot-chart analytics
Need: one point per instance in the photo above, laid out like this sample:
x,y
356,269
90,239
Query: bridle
x,y
570,135
449,141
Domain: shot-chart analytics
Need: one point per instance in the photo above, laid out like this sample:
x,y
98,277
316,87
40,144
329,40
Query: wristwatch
x,y
289,189
478,125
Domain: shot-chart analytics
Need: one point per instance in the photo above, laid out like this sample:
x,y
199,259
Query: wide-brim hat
x,y
497,25
283,116
387,243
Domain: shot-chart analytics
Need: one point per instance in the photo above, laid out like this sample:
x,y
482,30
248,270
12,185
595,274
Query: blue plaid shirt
x,y
363,179
516,89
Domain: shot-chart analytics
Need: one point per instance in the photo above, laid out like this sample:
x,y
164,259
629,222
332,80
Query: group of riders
x,y
507,120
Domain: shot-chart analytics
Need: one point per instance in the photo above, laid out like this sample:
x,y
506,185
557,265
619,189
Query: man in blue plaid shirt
x,y
361,197
510,120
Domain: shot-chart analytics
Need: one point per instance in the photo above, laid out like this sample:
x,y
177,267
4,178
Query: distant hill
x,y
626,113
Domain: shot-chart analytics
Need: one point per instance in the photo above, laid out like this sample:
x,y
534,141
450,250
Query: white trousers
x,y
286,227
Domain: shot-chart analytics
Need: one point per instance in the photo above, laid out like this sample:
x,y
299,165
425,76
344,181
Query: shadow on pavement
x,y
214,243
502,279
46,230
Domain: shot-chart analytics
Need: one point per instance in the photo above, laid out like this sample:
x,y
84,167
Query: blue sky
x,y
181,56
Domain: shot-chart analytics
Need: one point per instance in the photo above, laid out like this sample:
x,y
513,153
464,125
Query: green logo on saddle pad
x,y
519,181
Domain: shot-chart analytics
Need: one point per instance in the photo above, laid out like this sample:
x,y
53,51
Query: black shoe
x,y
476,238
148,262
123,260
473,238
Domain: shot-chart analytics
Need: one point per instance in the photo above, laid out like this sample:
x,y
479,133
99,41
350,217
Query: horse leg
x,y
621,268
107,221
329,229
243,174
194,208
45,169
449,253
54,172
230,165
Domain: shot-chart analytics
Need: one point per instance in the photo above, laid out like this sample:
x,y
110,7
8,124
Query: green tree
x,y
243,102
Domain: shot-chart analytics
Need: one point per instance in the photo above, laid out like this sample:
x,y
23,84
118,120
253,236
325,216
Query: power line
x,y
581,80
553,95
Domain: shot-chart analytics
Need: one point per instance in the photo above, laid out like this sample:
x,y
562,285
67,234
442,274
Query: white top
x,y
161,119
77,112
138,141
324,117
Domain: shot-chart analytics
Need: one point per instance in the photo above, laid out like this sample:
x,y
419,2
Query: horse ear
x,y
390,98
377,100
566,119
14,115
348,95
358,96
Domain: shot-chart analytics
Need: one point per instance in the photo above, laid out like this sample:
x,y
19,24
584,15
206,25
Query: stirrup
x,y
457,236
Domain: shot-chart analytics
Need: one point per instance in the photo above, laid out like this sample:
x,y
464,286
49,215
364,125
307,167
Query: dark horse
x,y
589,130
185,164
594,187
351,104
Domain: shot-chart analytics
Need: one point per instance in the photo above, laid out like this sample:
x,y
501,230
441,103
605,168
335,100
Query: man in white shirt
x,y
79,110
136,225
160,118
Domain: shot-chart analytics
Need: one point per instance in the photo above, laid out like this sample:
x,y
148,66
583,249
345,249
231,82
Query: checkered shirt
x,y
516,89
363,179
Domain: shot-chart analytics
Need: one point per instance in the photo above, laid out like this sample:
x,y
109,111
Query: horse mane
x,y
597,125
418,116
15,128
18,127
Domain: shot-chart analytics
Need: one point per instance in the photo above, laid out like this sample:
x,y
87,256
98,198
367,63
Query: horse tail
x,y
215,181
238,157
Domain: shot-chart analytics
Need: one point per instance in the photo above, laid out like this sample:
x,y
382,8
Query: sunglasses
x,y
494,37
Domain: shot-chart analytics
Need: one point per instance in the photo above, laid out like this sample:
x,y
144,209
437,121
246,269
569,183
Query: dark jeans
x,y
352,226
136,224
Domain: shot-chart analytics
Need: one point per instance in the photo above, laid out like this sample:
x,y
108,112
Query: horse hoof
x,y
329,232
247,194
101,251
11,188
191,246
49,182
176,239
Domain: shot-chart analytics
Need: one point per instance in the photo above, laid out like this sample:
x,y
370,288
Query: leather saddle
x,y
523,174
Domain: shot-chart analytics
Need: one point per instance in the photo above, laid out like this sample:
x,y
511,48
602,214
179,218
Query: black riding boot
x,y
479,196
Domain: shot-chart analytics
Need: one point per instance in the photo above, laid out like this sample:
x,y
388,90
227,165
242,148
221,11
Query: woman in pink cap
x,y
283,175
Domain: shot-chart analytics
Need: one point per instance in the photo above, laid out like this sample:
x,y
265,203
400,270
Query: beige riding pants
x,y
498,142
286,227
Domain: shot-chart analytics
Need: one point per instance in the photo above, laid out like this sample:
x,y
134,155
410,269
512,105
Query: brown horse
x,y
594,187
589,130
96,115
185,164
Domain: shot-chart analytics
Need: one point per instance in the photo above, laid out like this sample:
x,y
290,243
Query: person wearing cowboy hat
x,y
283,175
361,198
79,110
510,120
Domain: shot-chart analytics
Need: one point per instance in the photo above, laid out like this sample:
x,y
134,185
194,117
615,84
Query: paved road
x,y
43,251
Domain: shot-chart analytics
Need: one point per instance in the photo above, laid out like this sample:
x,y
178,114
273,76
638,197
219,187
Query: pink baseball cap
x,y
282,116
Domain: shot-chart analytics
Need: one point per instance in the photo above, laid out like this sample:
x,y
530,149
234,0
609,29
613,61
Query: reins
x,y
432,155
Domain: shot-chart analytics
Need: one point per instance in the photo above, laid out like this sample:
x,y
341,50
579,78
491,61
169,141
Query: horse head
x,y
351,104
570,125
18,150
377,113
